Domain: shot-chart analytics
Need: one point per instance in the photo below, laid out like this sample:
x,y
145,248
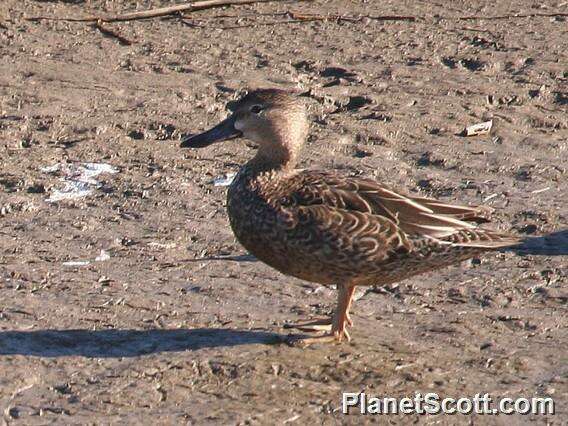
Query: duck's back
x,y
327,228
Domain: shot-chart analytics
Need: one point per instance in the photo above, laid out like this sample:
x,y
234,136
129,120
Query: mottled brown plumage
x,y
324,227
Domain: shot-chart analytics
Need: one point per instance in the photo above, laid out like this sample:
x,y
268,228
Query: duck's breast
x,y
258,220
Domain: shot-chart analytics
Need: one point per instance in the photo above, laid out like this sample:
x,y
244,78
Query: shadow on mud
x,y
124,343
555,244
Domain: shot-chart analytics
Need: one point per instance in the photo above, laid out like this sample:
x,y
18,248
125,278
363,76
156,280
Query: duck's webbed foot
x,y
336,327
331,337
322,324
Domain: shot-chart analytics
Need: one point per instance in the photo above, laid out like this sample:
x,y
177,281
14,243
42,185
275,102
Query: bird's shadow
x,y
554,244
125,343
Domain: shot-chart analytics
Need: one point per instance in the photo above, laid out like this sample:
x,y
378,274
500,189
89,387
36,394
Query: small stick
x,y
256,24
298,18
245,15
392,18
154,13
537,191
111,33
519,15
311,17
479,30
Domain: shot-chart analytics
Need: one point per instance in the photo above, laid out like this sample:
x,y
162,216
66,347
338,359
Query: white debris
x,y
76,263
70,190
104,255
89,171
78,179
162,245
479,128
402,366
537,191
224,180
51,169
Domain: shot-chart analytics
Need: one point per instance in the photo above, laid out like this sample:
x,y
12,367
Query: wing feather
x,y
411,217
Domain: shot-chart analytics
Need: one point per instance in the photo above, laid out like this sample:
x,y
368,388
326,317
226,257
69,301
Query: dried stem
x,y
154,13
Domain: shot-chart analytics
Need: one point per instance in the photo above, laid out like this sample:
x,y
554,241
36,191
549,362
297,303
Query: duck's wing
x,y
412,218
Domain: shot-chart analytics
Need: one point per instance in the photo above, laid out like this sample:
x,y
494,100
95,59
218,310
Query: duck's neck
x,y
268,158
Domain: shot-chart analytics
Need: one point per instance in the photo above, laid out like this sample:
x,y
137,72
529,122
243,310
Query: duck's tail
x,y
483,239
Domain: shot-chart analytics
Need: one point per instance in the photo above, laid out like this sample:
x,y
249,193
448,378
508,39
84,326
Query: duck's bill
x,y
221,132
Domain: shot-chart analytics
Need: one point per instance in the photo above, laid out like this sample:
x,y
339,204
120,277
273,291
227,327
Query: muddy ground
x,y
174,323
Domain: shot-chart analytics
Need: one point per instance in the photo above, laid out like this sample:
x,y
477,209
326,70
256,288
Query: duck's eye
x,y
255,109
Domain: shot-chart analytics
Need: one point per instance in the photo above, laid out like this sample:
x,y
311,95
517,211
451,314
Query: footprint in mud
x,y
472,64
469,64
337,72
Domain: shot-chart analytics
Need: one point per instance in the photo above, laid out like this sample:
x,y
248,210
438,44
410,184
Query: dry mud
x,y
174,323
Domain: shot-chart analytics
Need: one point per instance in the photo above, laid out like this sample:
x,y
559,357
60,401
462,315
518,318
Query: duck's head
x,y
275,119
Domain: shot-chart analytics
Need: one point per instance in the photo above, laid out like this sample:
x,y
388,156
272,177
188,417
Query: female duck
x,y
327,228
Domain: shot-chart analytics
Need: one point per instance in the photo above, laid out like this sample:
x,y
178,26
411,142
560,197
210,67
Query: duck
x,y
326,227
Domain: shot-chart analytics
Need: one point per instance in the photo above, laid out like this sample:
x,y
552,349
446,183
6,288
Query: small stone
x,y
104,281
36,188
136,134
103,255
6,209
528,229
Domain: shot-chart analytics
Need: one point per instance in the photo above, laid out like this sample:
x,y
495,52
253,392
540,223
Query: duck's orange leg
x,y
322,324
341,317
339,322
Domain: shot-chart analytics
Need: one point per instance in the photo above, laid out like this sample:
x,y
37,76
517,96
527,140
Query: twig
x,y
298,18
111,33
393,18
154,13
191,24
313,17
517,15
538,191
478,30
257,24
239,16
